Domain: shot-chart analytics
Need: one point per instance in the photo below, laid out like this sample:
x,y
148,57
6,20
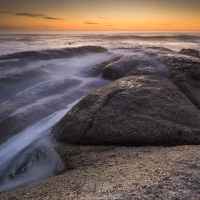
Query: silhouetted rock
x,y
137,110
54,54
190,52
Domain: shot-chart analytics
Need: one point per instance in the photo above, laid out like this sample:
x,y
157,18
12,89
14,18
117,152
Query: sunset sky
x,y
100,14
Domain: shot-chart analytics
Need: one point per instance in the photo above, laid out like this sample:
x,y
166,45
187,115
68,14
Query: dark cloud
x,y
53,18
48,27
31,15
111,25
92,23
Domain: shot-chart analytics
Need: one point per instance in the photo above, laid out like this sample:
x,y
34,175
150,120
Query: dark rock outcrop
x,y
121,67
184,72
153,61
136,64
137,110
177,63
54,53
97,69
190,52
189,84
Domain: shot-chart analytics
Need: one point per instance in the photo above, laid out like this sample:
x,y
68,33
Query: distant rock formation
x,y
134,65
184,72
189,52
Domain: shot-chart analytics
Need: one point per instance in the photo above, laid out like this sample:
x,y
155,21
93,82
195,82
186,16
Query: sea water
x,y
39,85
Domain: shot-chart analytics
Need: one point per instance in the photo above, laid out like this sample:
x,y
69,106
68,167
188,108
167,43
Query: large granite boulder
x,y
137,110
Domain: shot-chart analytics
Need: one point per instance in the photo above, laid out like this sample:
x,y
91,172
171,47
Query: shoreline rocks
x,y
184,72
53,53
111,172
136,64
136,110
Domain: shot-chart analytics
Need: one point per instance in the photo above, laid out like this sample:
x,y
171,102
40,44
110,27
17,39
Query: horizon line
x,y
24,29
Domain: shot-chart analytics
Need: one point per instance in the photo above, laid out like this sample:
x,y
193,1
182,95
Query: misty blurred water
x,y
44,90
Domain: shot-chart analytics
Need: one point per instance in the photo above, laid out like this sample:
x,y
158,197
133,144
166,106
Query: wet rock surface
x,y
136,64
108,172
137,110
177,64
21,119
182,68
53,54
97,69
189,52
34,91
184,72
28,97
189,84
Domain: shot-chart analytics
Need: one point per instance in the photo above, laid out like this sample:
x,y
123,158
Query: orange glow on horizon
x,y
110,15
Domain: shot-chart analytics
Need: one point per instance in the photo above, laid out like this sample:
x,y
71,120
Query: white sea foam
x,y
30,156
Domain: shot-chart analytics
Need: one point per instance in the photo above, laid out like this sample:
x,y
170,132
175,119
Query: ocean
x,y
42,75
19,40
